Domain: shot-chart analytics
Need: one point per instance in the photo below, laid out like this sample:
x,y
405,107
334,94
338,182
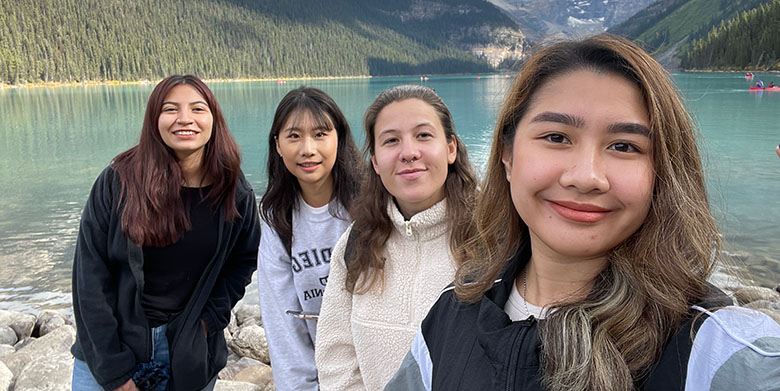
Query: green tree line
x,y
97,40
752,39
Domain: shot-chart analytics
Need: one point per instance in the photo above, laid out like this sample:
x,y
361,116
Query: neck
x,y
192,170
317,194
556,279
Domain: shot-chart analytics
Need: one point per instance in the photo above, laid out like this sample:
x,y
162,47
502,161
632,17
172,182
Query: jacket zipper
x,y
408,225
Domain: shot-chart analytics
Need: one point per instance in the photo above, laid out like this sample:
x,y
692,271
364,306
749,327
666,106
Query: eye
x,y
557,138
168,109
389,140
425,135
292,135
624,147
320,134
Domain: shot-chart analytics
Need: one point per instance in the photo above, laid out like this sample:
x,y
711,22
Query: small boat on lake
x,y
764,88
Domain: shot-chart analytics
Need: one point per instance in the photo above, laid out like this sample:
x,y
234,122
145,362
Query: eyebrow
x,y
316,128
578,122
421,124
191,103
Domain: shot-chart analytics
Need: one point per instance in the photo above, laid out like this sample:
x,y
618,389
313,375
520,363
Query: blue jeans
x,y
84,381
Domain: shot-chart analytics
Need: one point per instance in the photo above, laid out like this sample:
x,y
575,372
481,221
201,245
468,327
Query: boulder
x,y
250,342
7,336
47,321
53,372
6,350
248,314
260,375
755,293
57,341
21,344
21,323
232,368
232,326
6,377
229,385
771,308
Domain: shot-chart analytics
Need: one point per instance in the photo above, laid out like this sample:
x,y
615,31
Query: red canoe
x,y
765,89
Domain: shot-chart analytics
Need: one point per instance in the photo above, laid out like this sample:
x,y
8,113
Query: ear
x,y
373,163
278,149
452,150
506,158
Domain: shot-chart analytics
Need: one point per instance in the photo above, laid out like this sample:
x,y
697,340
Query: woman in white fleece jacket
x,y
388,268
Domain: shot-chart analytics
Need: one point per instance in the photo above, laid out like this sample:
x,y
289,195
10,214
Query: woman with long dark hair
x,y
313,173
411,214
167,243
594,242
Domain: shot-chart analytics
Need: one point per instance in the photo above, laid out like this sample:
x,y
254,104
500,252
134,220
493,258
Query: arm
x,y
335,350
289,342
237,270
111,362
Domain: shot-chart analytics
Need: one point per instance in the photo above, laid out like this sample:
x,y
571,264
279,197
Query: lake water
x,y
55,141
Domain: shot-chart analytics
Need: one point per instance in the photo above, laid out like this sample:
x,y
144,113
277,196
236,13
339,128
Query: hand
x,y
777,150
129,386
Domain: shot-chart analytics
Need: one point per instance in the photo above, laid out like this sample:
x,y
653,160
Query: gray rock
x,y
232,368
755,293
771,308
260,375
228,385
6,350
777,288
21,344
248,314
232,326
7,336
6,377
21,323
51,372
58,341
250,342
47,321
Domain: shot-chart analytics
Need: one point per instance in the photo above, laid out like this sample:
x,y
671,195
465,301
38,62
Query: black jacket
x,y
113,335
477,347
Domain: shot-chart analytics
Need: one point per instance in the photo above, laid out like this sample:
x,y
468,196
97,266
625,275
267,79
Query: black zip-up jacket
x,y
113,335
477,347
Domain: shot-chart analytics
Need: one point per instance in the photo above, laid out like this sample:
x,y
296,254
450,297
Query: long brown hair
x,y
281,195
608,340
371,220
154,213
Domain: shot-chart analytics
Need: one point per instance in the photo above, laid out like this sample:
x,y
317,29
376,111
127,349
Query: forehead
x,y
185,93
405,115
590,95
303,117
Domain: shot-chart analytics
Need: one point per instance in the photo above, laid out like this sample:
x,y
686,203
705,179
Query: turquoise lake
x,y
55,141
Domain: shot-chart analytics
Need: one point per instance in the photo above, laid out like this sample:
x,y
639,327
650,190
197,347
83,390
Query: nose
x,y
586,171
184,117
308,146
409,151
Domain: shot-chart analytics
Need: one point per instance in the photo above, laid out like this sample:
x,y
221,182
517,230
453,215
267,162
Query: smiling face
x,y
580,167
308,149
185,122
412,154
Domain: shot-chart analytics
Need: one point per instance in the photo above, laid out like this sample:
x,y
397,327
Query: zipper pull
x,y
408,225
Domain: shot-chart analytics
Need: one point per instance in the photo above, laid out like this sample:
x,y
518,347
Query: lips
x,y
184,132
309,166
579,212
411,173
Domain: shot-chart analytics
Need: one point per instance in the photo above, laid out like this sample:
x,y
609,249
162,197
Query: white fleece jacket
x,y
362,339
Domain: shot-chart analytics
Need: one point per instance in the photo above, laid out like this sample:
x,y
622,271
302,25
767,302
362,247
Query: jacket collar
x,y
425,225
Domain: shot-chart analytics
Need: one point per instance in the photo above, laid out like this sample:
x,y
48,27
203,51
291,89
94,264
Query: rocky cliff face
x,y
542,18
476,26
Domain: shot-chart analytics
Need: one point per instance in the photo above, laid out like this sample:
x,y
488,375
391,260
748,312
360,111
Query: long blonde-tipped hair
x,y
608,340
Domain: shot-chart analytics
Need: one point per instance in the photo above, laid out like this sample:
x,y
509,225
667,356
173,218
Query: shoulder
x,y
734,347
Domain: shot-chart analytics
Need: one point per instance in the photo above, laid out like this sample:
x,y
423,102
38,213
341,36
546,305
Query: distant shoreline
x,y
154,82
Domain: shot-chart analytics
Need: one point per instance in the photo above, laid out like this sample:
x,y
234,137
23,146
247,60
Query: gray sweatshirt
x,y
296,284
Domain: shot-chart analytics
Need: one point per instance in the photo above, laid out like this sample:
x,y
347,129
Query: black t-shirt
x,y
172,272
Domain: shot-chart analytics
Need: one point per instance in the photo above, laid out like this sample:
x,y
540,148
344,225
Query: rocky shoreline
x,y
35,350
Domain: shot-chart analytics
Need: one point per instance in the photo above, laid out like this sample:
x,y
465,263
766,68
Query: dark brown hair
x,y
283,191
371,220
611,338
154,213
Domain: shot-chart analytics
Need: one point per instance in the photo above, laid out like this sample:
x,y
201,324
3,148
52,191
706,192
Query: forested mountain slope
x,y
751,40
84,40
